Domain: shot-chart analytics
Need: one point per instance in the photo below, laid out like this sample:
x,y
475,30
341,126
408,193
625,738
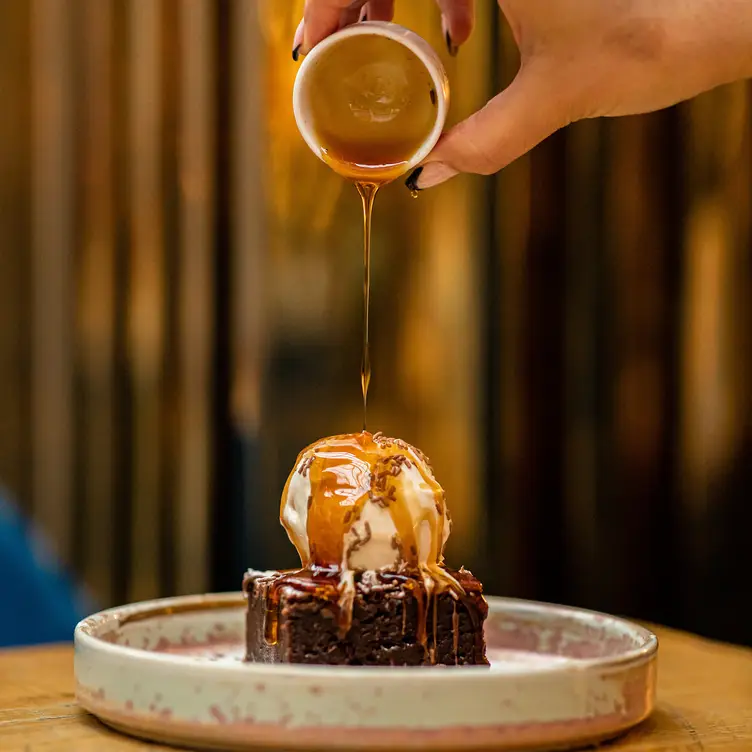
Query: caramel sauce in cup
x,y
371,101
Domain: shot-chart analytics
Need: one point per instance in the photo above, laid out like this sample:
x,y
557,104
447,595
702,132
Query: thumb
x,y
511,124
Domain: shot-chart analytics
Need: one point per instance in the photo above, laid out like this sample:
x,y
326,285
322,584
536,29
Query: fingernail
x,y
429,175
453,49
412,180
297,41
364,17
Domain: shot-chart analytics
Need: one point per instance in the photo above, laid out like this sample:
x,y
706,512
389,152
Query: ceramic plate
x,y
172,671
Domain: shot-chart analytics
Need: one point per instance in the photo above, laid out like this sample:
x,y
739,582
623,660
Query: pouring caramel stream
x,y
372,107
367,193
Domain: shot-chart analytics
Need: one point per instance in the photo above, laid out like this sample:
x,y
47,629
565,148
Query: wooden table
x,y
704,703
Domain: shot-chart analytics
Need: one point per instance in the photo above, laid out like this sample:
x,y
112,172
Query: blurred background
x,y
180,314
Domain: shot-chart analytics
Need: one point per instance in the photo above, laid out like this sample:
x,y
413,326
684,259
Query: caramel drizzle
x,y
319,582
435,605
367,193
271,619
421,634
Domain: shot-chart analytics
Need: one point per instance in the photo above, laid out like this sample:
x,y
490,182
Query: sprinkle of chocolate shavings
x,y
367,526
397,546
380,477
348,516
378,480
398,461
358,542
385,499
382,440
310,501
305,465
423,458
389,466
386,443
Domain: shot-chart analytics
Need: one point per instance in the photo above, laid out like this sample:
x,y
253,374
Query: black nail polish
x,y
364,17
296,52
453,49
412,180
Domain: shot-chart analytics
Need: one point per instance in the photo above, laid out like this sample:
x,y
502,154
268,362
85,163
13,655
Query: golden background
x,y
180,292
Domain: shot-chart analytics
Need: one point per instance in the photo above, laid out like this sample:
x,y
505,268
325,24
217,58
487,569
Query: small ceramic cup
x,y
416,44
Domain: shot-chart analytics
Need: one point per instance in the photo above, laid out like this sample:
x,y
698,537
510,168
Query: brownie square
x,y
295,618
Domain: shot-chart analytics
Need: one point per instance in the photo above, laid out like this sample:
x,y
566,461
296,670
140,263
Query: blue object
x,y
38,602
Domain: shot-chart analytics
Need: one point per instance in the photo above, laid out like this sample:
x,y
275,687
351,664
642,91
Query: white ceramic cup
x,y
416,44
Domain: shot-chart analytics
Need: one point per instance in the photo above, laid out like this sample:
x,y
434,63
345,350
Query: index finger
x,y
457,20
322,18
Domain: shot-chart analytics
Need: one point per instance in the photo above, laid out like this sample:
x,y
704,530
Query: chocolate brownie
x,y
295,617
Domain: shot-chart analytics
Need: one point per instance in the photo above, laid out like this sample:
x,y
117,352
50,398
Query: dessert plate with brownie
x,y
374,643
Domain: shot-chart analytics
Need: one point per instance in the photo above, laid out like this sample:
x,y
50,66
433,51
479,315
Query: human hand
x,y
323,17
579,59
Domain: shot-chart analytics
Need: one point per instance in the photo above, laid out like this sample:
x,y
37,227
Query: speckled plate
x,y
171,671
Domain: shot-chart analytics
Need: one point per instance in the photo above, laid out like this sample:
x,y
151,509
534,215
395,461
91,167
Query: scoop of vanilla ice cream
x,y
359,502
